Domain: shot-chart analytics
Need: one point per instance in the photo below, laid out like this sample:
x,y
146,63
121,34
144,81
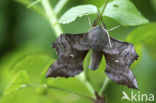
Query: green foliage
x,y
125,13
7,98
86,63
77,11
19,81
98,3
145,35
43,74
33,5
41,89
62,90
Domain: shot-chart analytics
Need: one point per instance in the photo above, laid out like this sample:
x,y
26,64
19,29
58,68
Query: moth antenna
x,y
114,28
103,24
89,20
109,40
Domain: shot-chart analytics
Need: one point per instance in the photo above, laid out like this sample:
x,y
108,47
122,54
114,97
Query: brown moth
x,y
72,49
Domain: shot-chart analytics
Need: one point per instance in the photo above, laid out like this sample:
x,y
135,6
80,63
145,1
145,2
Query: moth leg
x,y
104,26
114,28
89,20
109,40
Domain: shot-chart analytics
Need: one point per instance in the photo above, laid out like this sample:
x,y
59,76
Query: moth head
x,y
98,37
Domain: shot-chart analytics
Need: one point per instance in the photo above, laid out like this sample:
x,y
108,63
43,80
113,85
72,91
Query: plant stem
x,y
51,15
90,88
60,5
83,77
104,85
102,10
33,3
84,80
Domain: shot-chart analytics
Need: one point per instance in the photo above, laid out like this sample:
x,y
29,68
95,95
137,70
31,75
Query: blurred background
x,y
25,44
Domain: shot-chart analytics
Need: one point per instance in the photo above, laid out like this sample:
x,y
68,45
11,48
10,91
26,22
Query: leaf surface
x,y
125,13
76,12
19,81
145,35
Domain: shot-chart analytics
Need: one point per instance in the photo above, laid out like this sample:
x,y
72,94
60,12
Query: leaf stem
x,y
51,15
102,10
60,5
33,3
83,77
90,87
87,83
105,83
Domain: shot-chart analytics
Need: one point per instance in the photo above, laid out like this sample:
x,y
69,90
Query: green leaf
x,y
19,81
33,3
77,11
97,3
8,98
44,72
41,89
86,63
139,49
145,35
124,12
30,4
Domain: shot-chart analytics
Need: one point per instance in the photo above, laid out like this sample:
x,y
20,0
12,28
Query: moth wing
x,y
118,59
72,50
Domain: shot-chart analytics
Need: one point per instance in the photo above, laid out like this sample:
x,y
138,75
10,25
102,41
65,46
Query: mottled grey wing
x,y
71,50
118,59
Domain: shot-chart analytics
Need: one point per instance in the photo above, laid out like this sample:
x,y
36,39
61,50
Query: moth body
x,y
98,38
